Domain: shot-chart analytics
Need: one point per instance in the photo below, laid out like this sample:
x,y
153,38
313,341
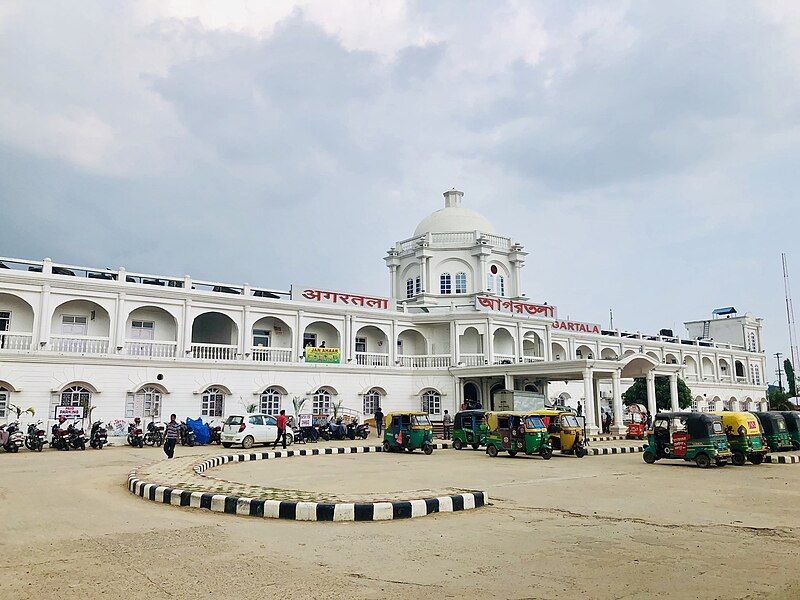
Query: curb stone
x,y
614,450
303,511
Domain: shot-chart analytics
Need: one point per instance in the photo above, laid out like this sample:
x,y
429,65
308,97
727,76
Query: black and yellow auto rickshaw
x,y
469,429
773,426
515,432
744,437
792,418
565,431
688,436
407,431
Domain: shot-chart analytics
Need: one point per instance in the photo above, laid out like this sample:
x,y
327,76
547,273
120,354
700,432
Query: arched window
x,y
409,288
461,283
76,396
755,374
144,403
432,402
372,400
445,284
270,401
213,402
4,394
321,404
417,285
501,286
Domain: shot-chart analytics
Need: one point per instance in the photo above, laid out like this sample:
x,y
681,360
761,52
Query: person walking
x,y
281,423
580,408
378,420
447,422
171,436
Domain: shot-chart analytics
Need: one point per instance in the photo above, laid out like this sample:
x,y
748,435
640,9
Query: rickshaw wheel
x,y
475,446
757,459
739,459
458,445
722,463
512,453
547,453
386,446
491,450
427,449
649,457
702,461
581,453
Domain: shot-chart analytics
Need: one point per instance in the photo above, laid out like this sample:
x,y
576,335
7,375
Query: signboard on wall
x,y
322,355
576,326
323,296
518,401
513,307
305,421
69,412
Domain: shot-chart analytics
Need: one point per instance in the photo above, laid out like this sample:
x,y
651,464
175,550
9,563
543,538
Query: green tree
x,y
637,393
790,378
778,399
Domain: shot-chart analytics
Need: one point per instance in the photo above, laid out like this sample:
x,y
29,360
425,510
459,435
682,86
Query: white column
x,y
651,392
393,282
393,344
43,330
423,273
673,392
454,349
298,338
187,328
588,401
616,388
244,335
520,351
489,342
118,326
733,368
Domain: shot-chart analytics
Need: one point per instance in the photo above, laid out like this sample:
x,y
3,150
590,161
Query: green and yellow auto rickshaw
x,y
469,429
792,418
515,432
688,436
773,426
565,431
744,437
407,431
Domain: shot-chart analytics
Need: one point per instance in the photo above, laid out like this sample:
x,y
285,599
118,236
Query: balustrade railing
x,y
79,344
214,351
264,354
472,359
151,348
529,358
12,340
374,359
504,359
424,360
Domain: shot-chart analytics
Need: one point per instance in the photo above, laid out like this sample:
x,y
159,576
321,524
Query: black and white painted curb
x,y
615,450
303,511
782,459
606,438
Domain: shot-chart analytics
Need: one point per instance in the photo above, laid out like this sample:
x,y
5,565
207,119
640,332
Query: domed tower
x,y
454,255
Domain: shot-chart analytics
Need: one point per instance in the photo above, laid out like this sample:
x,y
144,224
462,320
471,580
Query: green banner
x,y
322,355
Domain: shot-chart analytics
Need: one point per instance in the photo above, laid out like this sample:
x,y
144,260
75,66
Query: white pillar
x,y
616,388
423,273
508,381
298,338
118,335
43,330
187,328
455,352
520,351
489,342
245,339
393,344
651,392
588,401
673,392
393,282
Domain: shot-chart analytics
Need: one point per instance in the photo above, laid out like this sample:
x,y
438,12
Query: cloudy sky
x,y
645,153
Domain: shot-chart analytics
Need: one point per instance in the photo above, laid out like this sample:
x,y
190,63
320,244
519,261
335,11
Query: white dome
x,y
453,217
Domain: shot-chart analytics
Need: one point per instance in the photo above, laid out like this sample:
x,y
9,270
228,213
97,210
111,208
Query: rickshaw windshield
x,y
570,421
717,427
781,425
420,420
534,422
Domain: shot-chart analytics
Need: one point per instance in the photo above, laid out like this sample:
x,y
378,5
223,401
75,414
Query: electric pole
x,y
780,368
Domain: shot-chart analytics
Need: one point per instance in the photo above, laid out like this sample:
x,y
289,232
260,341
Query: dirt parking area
x,y
601,527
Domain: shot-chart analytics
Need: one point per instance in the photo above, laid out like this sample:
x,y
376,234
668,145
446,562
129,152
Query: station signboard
x,y
349,299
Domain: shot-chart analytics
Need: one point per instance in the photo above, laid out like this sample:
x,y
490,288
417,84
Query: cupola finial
x,y
452,198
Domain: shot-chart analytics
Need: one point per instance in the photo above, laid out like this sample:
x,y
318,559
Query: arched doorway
x,y
472,396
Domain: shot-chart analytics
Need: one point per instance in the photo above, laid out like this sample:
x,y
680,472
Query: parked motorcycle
x,y
154,435
36,438
214,433
135,437
76,437
98,435
60,437
14,438
356,430
337,431
187,435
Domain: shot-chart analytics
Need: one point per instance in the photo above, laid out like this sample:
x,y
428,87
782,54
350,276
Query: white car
x,y
248,430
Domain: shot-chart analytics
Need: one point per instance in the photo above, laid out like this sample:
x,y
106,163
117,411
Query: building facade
x,y
456,327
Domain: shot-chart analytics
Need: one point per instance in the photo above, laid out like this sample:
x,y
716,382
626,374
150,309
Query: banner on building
x,y
69,412
513,307
322,355
323,296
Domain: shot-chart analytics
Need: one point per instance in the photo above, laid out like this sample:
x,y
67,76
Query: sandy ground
x,y
601,527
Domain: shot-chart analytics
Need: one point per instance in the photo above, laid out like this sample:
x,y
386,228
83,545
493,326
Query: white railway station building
x,y
454,328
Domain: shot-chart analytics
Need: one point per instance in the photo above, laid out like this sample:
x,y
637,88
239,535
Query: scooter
x,y
214,433
36,438
154,435
135,437
356,430
60,438
98,435
77,439
187,435
15,439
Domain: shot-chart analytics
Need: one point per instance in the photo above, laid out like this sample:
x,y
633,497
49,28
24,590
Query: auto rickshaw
x,y
773,426
688,436
407,431
637,426
515,432
565,431
792,418
469,429
744,437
